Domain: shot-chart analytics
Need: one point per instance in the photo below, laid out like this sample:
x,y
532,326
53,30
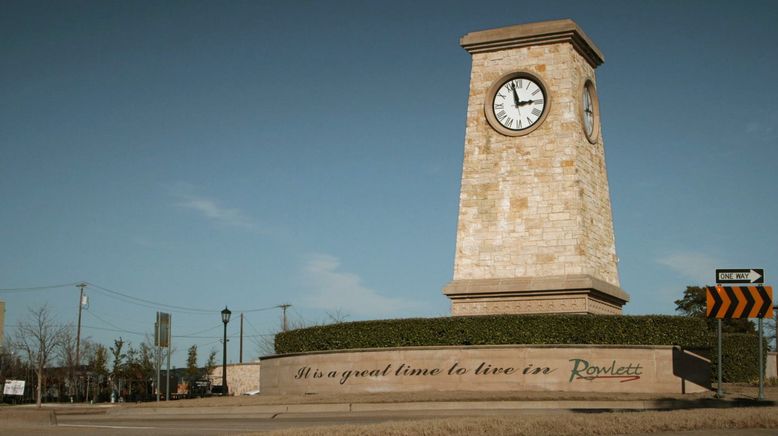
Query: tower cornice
x,y
525,35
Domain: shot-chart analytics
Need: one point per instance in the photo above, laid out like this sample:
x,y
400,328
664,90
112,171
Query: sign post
x,y
748,301
719,390
761,363
162,340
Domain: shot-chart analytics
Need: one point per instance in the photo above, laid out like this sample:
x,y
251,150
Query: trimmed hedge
x,y
687,332
740,351
739,354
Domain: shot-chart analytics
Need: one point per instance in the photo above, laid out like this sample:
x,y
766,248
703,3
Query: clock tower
x,y
535,230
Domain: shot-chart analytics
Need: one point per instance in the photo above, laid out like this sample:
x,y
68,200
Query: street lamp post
x,y
225,319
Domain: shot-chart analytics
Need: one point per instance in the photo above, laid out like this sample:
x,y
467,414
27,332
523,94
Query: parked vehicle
x,y
200,388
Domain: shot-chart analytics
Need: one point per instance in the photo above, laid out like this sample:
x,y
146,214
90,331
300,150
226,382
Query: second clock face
x,y
589,111
519,103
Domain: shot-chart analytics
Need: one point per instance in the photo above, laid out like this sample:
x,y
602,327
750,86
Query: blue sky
x,y
249,154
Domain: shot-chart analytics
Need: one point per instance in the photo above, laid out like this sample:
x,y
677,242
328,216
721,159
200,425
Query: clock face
x,y
519,103
589,111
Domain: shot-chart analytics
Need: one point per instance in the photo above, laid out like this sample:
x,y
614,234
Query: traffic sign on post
x,y
748,275
739,301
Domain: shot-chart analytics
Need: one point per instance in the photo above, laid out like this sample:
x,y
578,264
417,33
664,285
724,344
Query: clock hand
x,y
515,96
524,103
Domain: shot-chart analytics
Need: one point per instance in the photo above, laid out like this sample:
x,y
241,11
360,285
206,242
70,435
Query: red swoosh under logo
x,y
627,378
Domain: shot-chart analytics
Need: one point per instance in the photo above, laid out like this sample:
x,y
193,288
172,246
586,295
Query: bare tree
x,y
265,343
336,317
66,352
38,337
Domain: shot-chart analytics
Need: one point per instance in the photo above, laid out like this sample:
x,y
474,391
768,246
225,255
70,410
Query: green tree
x,y
118,357
118,366
694,304
192,371
98,366
146,360
210,364
99,362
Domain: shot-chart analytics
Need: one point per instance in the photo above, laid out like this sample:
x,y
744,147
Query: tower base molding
x,y
575,294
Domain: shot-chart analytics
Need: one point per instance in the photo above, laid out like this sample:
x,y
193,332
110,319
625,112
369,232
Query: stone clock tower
x,y
535,232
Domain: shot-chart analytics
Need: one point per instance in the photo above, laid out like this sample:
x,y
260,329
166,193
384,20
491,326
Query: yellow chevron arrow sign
x,y
739,301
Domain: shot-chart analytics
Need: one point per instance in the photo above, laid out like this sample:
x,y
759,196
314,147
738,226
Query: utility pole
x,y
157,358
241,337
284,307
78,330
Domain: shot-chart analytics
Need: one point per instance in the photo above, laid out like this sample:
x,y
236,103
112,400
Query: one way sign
x,y
751,275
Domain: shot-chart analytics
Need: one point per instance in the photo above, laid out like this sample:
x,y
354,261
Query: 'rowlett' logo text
x,y
583,370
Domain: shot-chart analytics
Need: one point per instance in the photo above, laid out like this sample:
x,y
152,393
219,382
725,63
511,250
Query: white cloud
x,y
333,290
699,267
211,209
763,127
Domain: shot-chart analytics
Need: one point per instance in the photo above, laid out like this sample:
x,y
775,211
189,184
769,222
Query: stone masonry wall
x,y
535,205
241,377
517,368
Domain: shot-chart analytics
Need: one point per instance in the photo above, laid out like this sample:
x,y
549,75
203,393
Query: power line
x,y
209,343
39,288
114,330
255,336
124,297
262,309
199,331
153,303
116,327
252,326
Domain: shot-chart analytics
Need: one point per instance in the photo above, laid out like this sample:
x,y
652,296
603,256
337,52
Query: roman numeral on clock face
x,y
536,112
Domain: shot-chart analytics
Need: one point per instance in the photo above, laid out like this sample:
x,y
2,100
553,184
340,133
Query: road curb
x,y
32,417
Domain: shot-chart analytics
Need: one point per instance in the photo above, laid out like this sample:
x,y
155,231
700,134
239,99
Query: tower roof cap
x,y
524,35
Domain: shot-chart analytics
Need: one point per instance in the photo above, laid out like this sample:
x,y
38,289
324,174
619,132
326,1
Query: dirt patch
x,y
619,423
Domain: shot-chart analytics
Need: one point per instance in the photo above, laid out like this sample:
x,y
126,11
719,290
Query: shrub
x,y
739,355
687,332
